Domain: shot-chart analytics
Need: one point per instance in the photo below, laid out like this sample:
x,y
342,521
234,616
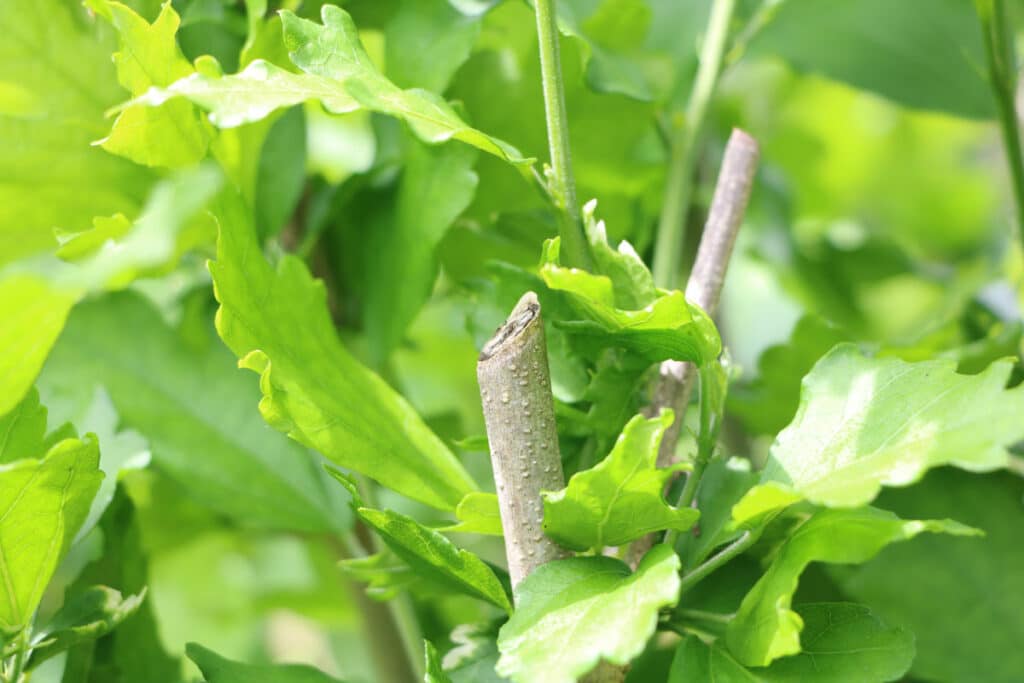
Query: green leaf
x,y
921,53
36,298
431,556
281,176
433,673
474,654
172,135
333,51
478,513
765,628
436,187
421,27
768,403
217,669
668,327
22,429
190,403
981,581
865,423
50,111
276,322
42,505
621,498
844,643
85,616
250,95
571,614
723,484
385,575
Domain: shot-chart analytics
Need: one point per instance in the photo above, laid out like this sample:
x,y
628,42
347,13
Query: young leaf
x,y
981,580
277,323
22,430
571,614
431,556
475,654
876,45
765,628
44,502
433,672
844,643
478,513
384,574
217,669
621,498
85,616
668,327
865,423
195,409
172,135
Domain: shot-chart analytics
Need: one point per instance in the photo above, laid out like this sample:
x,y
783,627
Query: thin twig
x,y
717,561
561,181
676,379
679,184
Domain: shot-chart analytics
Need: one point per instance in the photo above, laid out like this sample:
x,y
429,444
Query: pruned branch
x,y
515,386
704,287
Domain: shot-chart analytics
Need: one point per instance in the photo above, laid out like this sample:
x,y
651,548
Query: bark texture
x,y
515,387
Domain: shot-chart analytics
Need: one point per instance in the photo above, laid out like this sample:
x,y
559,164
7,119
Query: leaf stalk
x,y
561,182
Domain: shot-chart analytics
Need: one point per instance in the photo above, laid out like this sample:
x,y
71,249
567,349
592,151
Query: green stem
x,y
20,659
716,562
1002,66
679,185
561,182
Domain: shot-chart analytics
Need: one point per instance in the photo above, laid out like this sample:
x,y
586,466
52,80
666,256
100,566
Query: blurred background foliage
x,y
882,214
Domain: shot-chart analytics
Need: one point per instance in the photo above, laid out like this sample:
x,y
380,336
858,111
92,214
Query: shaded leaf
x,y
571,614
277,322
434,27
765,628
430,555
195,409
85,616
621,498
217,669
981,581
433,672
843,643
921,53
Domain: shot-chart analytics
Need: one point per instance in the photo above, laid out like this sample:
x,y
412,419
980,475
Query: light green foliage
x,y
50,111
843,643
217,669
478,513
22,429
667,327
621,498
921,53
765,627
570,614
979,580
44,502
195,409
431,556
36,302
85,616
277,322
433,671
172,135
724,483
864,423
